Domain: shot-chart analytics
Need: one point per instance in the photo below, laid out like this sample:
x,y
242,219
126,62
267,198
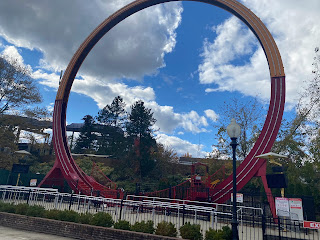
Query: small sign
x,y
239,197
33,182
282,207
296,210
311,225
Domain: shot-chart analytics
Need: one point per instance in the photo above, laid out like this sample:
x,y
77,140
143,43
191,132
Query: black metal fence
x,y
281,228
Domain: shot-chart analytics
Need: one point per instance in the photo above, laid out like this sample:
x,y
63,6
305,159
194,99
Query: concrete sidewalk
x,y
17,234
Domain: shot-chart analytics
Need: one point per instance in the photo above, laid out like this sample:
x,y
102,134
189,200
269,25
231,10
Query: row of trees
x,y
120,134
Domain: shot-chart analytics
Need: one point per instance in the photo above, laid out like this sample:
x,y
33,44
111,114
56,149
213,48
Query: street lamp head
x,y
233,129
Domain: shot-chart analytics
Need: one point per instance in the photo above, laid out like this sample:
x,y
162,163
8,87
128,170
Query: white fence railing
x,y
134,208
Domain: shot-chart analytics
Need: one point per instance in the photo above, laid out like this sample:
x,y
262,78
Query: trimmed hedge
x,y
191,231
166,229
223,234
122,224
145,227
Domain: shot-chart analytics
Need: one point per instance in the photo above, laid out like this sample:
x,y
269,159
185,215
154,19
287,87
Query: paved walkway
x,y
17,234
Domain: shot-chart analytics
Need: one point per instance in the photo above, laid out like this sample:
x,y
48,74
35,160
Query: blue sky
x,y
183,59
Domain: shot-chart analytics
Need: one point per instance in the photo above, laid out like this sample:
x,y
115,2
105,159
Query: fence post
x,y
183,208
263,224
279,227
28,196
212,219
121,204
70,203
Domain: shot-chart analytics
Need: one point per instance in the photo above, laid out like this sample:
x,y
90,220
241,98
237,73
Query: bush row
x,y
187,231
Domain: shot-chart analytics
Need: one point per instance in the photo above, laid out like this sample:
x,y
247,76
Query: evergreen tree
x,y
140,121
114,114
139,129
86,142
111,121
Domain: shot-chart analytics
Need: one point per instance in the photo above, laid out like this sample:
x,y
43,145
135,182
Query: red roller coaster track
x,y
66,168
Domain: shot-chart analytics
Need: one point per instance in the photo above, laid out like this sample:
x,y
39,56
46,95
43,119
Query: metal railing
x,y
252,222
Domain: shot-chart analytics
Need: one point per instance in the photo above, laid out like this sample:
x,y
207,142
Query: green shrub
x,y
146,227
8,207
1,205
68,216
53,214
224,234
102,219
212,234
122,224
85,218
166,229
191,231
21,208
227,233
36,211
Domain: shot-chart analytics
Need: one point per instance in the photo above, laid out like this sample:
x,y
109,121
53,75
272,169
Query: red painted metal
x,y
252,166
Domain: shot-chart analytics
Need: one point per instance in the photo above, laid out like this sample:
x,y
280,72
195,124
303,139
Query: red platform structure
x,y
65,167
197,188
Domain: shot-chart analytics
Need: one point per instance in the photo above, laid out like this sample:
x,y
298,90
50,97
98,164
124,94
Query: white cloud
x,y
168,120
103,93
132,49
192,122
294,27
47,79
181,146
12,55
50,107
211,114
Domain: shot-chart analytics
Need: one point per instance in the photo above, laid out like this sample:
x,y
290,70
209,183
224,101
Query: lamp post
x,y
233,131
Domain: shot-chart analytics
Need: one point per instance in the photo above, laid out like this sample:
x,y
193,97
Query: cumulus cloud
x,y
11,54
211,115
132,49
103,93
293,25
181,146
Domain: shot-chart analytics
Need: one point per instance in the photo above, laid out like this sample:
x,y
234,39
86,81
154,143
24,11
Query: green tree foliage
x,y
140,121
139,129
17,88
17,92
165,160
86,142
8,145
113,114
111,121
